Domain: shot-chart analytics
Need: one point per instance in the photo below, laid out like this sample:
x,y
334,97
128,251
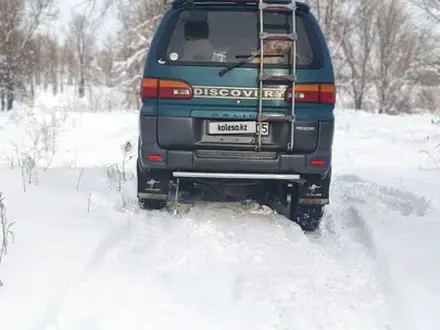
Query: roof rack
x,y
300,6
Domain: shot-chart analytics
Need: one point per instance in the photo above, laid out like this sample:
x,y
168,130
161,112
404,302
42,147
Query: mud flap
x,y
153,184
311,198
315,191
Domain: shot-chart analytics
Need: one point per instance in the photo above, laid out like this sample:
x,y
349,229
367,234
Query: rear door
x,y
223,106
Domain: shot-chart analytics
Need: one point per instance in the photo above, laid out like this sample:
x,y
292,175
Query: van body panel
x,y
178,129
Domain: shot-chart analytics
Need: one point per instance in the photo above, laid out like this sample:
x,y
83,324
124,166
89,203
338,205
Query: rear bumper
x,y
232,160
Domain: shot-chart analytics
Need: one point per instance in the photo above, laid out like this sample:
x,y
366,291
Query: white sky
x,y
109,23
67,7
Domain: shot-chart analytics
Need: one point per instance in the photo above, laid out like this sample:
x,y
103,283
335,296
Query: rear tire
x,y
151,204
308,217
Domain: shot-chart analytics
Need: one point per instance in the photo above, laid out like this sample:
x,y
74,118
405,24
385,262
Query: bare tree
x,y
432,10
53,55
400,56
19,20
5,230
69,60
11,21
357,47
82,42
431,7
139,19
96,10
105,62
337,20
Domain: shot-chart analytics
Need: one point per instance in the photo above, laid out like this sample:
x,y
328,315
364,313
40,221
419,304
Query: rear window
x,y
229,36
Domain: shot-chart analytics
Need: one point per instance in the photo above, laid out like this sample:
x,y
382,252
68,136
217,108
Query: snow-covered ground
x,y
86,258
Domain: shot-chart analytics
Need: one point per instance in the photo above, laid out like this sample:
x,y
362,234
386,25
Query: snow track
x,y
86,258
230,266
404,266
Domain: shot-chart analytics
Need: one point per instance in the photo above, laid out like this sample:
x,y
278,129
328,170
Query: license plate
x,y
237,127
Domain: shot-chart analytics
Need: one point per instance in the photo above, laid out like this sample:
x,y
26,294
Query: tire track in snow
x,y
356,189
355,193
229,259
110,241
242,261
352,229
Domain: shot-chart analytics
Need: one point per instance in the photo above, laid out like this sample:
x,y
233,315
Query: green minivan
x,y
238,96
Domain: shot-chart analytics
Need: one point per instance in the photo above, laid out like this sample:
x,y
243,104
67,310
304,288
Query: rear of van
x,y
200,95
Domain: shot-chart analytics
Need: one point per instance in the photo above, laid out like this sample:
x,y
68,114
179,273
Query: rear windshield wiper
x,y
247,59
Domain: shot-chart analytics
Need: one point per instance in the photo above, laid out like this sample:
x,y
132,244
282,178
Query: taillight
x,y
312,93
165,89
155,157
317,162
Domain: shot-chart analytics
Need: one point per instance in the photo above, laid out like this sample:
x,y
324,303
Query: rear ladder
x,y
289,5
